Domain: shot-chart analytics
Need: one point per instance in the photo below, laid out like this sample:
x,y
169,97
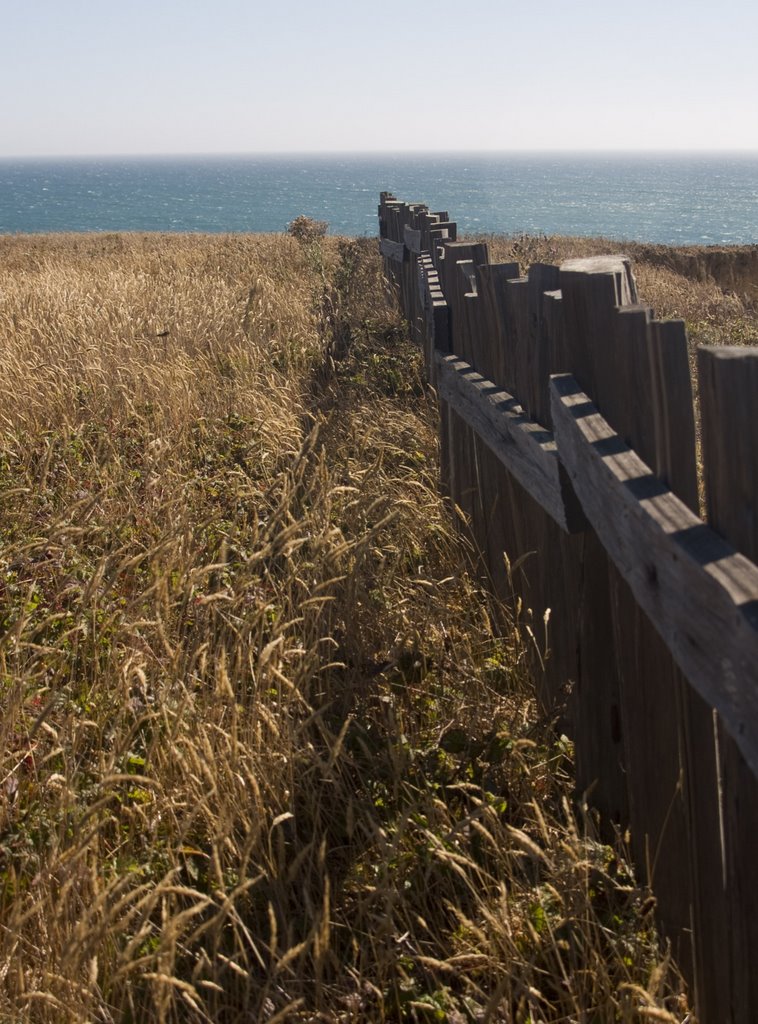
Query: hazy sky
x,y
226,76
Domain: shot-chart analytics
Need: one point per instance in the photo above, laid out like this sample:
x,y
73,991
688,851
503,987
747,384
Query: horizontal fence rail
x,y
567,439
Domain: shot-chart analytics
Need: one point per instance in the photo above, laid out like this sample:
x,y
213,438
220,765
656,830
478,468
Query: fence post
x,y
654,402
591,290
465,449
728,397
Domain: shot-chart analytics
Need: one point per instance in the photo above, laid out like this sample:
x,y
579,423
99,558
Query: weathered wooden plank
x,y
457,277
710,938
479,336
453,253
701,595
618,266
467,469
535,581
589,301
509,505
392,250
440,329
632,414
555,342
503,501
403,212
728,380
412,239
387,204
489,506
675,432
525,448
473,340
530,537
652,689
661,429
591,292
728,389
561,555
466,334
440,235
392,211
519,340
425,222
540,358
491,282
509,332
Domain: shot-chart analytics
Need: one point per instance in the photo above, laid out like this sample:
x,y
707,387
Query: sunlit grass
x,y
263,754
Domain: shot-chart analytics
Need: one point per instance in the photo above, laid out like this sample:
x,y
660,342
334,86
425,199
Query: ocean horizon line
x,y
373,154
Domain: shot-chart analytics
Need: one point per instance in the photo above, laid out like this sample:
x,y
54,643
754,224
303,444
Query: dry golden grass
x,y
262,754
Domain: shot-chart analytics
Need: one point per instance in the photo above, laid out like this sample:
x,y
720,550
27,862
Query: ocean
x,y
677,199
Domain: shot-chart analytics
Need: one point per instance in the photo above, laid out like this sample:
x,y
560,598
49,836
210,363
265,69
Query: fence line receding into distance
x,y
567,437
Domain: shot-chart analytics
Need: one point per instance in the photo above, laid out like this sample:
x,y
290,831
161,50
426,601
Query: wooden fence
x,y
568,438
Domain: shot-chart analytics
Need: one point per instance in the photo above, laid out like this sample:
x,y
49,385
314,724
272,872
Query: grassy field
x,y
263,754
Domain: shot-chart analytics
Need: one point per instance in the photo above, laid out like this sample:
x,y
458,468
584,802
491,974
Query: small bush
x,y
307,229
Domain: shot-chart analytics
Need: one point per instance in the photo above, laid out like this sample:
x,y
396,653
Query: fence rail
x,y
567,437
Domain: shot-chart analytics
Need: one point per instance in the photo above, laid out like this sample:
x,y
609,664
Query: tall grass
x,y
263,755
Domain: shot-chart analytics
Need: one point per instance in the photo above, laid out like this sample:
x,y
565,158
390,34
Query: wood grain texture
x,y
673,416
728,380
619,267
540,357
491,285
486,497
561,555
519,341
652,689
699,592
392,250
554,330
525,448
521,531
729,398
591,292
664,437
412,239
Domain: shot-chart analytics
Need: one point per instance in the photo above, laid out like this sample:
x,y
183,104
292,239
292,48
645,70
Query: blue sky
x,y
79,77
